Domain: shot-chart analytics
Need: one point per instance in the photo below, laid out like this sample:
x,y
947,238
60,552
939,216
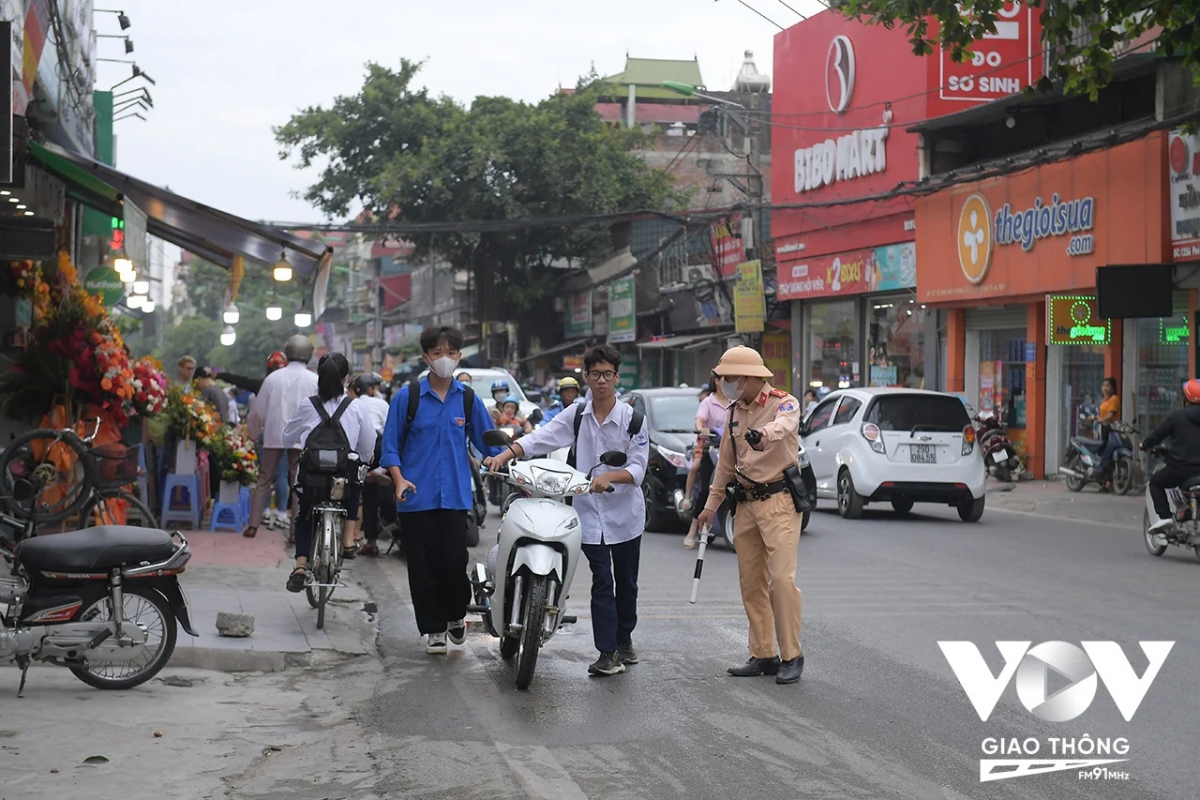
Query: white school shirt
x,y
604,518
356,421
378,408
281,394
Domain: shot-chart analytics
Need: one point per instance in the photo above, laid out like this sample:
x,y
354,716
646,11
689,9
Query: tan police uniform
x,y
766,532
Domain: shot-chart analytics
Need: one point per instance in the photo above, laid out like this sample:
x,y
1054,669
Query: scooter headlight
x,y
551,483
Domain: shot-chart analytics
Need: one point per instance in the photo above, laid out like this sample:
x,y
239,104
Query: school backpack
x,y
635,427
326,452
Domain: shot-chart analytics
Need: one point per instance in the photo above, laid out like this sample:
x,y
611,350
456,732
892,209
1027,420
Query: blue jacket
x,y
435,454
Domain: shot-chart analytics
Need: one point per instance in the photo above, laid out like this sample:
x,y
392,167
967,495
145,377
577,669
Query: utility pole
x,y
377,321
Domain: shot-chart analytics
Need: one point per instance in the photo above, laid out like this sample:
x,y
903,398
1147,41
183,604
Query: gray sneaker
x,y
607,664
435,644
627,654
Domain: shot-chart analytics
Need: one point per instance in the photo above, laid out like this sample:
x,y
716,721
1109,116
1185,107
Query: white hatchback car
x,y
902,446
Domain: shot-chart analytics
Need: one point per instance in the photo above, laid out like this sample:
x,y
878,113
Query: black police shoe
x,y
755,667
789,671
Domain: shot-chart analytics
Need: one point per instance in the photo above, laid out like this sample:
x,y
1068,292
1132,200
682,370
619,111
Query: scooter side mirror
x,y
613,458
496,438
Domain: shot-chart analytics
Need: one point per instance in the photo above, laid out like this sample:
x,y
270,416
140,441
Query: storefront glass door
x,y
897,342
1002,375
1082,374
833,345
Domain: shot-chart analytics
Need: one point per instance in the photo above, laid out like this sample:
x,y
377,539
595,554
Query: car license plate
x,y
998,457
922,454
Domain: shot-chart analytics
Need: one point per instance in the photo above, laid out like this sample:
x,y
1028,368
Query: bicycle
x,y
70,476
323,573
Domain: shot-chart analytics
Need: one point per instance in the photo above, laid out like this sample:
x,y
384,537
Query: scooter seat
x,y
1097,444
98,549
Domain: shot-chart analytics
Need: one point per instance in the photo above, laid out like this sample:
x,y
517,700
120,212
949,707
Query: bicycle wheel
x,y
314,565
58,465
116,507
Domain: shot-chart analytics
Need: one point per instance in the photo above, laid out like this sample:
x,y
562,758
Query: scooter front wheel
x,y
1122,476
531,630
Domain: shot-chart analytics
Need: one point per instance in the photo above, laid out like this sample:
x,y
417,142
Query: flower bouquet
x,y
190,417
149,387
235,457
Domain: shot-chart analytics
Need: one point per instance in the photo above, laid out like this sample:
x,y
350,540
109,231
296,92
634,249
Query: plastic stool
x,y
229,515
191,483
244,499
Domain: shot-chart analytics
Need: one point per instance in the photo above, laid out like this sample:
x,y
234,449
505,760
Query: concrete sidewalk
x,y
1051,499
247,576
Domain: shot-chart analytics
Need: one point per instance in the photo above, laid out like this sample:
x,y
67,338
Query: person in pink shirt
x,y
713,414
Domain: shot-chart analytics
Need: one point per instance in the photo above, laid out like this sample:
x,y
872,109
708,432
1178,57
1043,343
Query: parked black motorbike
x,y
102,602
999,455
1083,456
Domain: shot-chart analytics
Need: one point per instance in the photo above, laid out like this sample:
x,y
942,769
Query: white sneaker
x,y
1162,523
435,644
458,631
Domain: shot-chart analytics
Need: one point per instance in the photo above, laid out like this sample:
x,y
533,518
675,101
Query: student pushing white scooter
x,y
521,592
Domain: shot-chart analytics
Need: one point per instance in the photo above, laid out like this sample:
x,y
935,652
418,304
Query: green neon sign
x,y
1174,331
1073,320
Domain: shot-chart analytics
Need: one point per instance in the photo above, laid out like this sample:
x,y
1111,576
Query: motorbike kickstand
x,y
24,665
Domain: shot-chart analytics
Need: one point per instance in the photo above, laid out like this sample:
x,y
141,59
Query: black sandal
x,y
295,581
350,552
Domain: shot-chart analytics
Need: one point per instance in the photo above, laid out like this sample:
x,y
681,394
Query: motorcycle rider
x,y
1182,427
568,393
500,391
510,416
1110,412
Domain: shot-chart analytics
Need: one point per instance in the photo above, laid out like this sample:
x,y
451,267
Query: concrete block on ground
x,y
234,625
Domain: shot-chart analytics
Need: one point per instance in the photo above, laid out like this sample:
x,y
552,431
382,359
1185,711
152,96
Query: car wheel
x,y
727,529
970,510
902,505
653,517
850,502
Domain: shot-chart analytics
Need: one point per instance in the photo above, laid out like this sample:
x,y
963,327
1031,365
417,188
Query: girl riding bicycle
x,y
333,370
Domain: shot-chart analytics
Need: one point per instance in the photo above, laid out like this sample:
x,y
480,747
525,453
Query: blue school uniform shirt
x,y
435,455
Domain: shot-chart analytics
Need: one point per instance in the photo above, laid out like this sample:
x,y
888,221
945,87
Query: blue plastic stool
x,y
244,499
190,483
229,515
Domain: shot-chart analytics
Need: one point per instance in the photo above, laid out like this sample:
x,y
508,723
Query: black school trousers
x,y
435,546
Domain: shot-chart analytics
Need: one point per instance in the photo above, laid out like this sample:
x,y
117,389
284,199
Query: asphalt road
x,y
878,713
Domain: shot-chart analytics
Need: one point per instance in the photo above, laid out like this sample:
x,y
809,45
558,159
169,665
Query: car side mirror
x,y
496,438
613,458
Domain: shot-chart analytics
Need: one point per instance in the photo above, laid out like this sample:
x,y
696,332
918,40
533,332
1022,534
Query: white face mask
x,y
444,367
731,390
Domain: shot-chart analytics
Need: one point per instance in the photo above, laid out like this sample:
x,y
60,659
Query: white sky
x,y
226,71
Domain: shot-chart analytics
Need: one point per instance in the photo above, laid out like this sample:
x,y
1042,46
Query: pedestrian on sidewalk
x,y
612,524
275,361
431,473
281,394
767,523
377,489
355,420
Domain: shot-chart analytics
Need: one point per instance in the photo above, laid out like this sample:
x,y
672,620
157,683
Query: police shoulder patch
x,y
778,393
786,407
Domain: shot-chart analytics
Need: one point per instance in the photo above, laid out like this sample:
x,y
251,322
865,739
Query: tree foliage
x,y
1084,36
399,152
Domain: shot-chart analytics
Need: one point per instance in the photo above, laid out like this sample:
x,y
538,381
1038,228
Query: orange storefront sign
x,y
1045,229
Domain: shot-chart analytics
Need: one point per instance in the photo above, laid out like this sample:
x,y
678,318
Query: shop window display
x,y
897,343
833,345
1162,365
1002,375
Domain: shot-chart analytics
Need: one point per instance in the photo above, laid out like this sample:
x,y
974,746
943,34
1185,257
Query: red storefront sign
x,y
1000,64
828,276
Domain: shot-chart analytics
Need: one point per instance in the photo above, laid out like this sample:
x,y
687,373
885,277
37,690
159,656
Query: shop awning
x,y
558,348
212,234
680,342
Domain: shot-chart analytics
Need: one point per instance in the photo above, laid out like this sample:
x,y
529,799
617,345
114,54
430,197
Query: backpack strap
x,y
341,409
320,407
635,423
468,411
729,432
635,427
414,397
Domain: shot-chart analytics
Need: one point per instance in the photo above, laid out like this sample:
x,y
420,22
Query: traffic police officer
x,y
761,443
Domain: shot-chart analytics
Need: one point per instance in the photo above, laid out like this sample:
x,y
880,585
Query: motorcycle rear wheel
x,y
151,610
531,630
1152,539
1122,476
1075,484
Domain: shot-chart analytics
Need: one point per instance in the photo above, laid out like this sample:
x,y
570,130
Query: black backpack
x,y
635,427
327,450
414,398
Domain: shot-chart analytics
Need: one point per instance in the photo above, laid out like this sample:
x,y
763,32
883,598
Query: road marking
x,y
1075,520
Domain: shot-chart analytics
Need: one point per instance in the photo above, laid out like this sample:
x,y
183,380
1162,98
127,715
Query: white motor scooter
x,y
521,592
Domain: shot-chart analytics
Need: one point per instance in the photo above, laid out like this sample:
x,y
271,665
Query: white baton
x,y
705,536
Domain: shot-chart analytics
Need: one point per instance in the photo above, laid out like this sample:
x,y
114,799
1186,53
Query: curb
x,y
222,660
